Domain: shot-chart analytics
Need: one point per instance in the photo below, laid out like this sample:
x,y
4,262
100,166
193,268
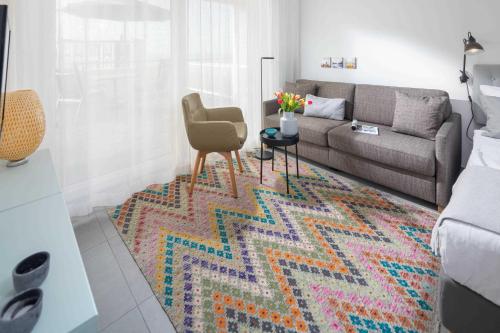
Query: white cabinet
x,y
33,217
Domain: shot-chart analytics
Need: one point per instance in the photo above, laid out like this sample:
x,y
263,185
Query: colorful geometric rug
x,y
333,256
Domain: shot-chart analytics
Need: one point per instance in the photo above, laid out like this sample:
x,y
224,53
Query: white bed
x,y
470,255
485,152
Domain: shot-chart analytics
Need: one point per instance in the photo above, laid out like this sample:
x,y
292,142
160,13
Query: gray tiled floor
x,y
123,297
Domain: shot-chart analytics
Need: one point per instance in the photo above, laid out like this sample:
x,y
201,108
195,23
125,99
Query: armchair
x,y
220,130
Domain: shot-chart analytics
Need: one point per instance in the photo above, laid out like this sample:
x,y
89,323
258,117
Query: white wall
x,y
415,43
398,42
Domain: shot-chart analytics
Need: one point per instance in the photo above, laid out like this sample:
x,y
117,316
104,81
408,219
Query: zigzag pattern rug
x,y
333,256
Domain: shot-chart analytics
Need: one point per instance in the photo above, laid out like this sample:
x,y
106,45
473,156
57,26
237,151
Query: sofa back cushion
x,y
376,104
418,116
336,90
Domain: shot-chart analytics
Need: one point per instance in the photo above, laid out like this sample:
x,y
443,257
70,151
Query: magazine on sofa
x,y
366,129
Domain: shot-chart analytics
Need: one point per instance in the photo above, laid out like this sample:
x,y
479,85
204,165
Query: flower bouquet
x,y
289,103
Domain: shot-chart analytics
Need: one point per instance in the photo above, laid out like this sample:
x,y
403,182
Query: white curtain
x,y
111,74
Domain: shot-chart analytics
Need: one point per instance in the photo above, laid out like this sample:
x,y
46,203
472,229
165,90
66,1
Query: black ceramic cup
x,y
31,272
21,313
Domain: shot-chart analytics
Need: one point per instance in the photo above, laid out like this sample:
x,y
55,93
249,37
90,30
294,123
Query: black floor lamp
x,y
266,155
471,47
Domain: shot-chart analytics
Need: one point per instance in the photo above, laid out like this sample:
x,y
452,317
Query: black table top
x,y
278,140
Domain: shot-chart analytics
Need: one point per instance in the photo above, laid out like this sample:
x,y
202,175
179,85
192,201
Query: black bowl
x,y
21,313
31,272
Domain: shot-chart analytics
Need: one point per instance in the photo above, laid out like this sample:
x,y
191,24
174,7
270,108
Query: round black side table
x,y
278,140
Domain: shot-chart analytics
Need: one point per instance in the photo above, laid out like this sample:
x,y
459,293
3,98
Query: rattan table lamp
x,y
23,127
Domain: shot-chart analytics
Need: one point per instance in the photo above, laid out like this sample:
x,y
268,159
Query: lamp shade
x,y
471,46
23,126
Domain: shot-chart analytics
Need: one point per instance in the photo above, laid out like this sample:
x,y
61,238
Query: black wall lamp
x,y
471,47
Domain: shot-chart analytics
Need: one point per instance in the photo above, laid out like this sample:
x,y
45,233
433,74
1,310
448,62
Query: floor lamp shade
x,y
23,126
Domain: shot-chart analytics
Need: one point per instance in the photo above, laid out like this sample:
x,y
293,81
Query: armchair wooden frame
x,y
199,167
216,130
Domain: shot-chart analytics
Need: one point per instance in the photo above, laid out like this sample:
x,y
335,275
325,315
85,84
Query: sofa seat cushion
x,y
311,129
398,150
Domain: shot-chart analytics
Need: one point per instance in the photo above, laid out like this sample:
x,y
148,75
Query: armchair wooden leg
x,y
229,159
203,159
195,171
237,153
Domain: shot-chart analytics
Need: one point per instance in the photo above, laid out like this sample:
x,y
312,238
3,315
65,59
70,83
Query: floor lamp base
x,y
266,155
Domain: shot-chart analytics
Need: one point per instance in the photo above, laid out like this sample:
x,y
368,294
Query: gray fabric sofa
x,y
419,167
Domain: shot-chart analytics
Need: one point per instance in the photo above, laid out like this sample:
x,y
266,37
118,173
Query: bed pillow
x,y
301,89
418,116
488,154
320,107
490,90
490,103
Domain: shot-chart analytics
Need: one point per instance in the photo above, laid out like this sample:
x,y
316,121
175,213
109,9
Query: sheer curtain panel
x,y
111,74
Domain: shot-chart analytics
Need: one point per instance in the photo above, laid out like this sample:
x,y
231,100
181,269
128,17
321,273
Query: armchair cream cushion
x,y
220,130
213,130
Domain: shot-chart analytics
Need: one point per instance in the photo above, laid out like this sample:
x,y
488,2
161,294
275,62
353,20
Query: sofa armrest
x,y
270,107
448,157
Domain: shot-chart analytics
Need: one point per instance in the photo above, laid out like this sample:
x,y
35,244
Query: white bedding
x,y
471,254
485,152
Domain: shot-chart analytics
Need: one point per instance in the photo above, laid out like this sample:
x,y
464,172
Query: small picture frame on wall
x,y
337,62
351,63
326,62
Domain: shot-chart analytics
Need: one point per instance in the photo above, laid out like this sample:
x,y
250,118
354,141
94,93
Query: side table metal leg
x,y
297,159
261,152
286,163
273,161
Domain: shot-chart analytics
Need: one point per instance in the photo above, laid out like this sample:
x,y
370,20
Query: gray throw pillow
x,y
419,116
491,107
302,89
